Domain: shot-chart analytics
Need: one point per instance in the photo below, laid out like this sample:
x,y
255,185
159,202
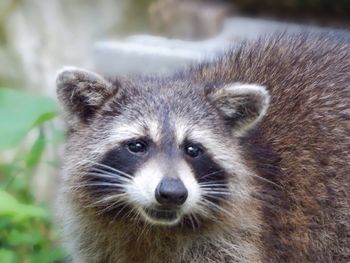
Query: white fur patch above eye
x,y
133,130
126,132
181,129
154,130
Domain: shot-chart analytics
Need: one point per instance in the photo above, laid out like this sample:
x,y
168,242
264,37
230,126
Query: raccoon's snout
x,y
171,191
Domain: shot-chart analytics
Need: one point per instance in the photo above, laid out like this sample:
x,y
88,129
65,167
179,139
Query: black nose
x,y
171,191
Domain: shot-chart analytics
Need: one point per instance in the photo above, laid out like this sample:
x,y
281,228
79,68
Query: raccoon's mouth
x,y
161,216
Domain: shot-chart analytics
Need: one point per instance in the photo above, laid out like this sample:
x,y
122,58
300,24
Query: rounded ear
x,y
81,93
241,105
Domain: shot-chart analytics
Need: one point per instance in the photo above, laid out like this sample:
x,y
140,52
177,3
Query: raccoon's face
x,y
165,152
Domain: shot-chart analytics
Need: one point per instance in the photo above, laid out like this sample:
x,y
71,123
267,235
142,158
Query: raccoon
x,y
245,158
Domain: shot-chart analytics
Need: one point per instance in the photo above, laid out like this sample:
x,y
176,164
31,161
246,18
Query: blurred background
x,y
113,37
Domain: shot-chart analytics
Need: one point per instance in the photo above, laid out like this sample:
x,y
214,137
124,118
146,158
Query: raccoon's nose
x,y
171,191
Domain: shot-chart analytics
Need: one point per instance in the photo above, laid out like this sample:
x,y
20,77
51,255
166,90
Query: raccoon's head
x,y
163,151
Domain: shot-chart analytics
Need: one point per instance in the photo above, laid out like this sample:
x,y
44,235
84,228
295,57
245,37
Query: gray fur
x,y
287,164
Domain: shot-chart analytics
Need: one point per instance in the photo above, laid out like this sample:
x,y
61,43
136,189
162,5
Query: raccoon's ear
x,y
242,105
81,92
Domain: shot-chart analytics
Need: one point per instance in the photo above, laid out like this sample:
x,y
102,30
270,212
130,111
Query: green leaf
x,y
9,206
6,256
19,112
4,223
45,117
54,255
18,237
35,153
8,169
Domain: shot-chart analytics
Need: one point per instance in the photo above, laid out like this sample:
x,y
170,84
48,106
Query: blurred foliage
x,y
26,234
10,67
20,113
137,17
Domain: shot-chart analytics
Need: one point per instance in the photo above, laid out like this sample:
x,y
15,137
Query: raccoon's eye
x,y
193,150
137,146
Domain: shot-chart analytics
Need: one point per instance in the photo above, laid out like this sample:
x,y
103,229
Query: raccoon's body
x,y
243,159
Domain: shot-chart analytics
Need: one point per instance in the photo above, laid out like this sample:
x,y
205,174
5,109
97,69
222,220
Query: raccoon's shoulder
x,y
280,58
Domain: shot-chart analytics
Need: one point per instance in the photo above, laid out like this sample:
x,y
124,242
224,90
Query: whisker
x,y
106,185
263,199
144,228
138,217
120,200
221,182
216,192
120,211
96,169
133,212
195,218
101,173
215,181
209,174
214,186
113,177
203,211
192,223
107,199
112,174
209,190
107,208
220,198
111,169
266,180
216,207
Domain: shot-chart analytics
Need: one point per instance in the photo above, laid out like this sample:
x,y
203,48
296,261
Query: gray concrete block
x,y
146,54
149,54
